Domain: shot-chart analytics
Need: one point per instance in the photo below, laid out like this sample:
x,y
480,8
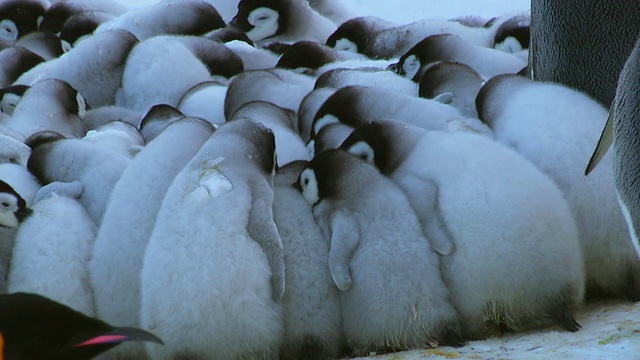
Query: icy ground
x,y
610,330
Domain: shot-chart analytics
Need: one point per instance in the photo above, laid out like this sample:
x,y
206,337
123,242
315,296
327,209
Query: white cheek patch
x,y
363,151
346,45
82,106
264,22
311,148
309,185
324,121
8,207
411,66
8,103
8,30
509,45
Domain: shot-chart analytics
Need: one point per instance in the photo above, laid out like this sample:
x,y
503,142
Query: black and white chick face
x,y
407,66
13,208
307,184
259,22
363,151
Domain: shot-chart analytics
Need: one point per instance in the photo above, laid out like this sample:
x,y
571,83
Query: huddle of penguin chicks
x,y
266,213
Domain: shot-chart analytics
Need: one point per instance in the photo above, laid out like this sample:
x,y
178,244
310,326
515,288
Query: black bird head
x,y
35,327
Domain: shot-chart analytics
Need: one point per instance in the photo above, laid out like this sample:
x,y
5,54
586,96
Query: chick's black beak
x,y
23,213
396,68
296,185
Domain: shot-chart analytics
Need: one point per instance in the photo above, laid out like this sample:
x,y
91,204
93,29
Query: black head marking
x,y
517,27
23,211
306,54
245,7
441,73
40,143
488,100
430,49
14,61
83,23
377,136
354,30
341,105
45,42
24,13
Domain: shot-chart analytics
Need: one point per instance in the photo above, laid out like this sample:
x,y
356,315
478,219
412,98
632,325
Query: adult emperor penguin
x,y
213,272
267,21
513,257
311,302
459,80
63,233
373,234
289,145
622,131
449,47
564,34
49,105
115,275
533,118
30,329
55,158
194,17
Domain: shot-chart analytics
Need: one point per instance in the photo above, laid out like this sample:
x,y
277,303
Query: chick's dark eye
x,y
306,181
5,204
363,156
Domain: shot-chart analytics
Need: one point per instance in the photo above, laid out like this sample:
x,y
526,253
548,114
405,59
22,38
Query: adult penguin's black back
x,y
583,43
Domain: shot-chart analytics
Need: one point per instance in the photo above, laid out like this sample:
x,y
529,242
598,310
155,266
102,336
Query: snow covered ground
x,y
610,330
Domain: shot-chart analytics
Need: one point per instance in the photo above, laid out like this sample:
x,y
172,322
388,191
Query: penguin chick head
x,y
261,19
370,142
434,48
13,208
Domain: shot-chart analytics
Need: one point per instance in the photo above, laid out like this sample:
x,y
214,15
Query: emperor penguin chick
x,y
221,251
449,47
49,105
55,158
115,274
513,258
541,120
289,145
393,296
312,311
288,21
63,234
